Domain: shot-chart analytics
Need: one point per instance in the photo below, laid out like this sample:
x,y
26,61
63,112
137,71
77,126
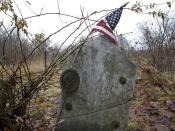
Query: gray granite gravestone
x,y
97,88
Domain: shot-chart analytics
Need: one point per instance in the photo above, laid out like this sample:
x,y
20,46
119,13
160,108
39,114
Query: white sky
x,y
50,23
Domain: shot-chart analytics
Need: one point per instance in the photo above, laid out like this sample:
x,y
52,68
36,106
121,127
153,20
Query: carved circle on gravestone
x,y
68,106
69,81
115,124
122,80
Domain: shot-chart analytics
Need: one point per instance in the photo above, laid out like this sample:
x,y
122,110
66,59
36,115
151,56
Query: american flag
x,y
108,24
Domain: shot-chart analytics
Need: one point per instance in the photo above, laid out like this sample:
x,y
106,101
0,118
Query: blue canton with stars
x,y
114,18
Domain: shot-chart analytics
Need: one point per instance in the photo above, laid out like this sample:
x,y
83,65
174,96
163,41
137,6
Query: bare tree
x,y
158,38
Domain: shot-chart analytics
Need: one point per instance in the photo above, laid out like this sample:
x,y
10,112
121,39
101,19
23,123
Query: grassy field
x,y
42,108
44,105
153,104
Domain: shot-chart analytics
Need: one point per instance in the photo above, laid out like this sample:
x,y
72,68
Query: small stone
x,y
161,128
168,102
154,104
41,129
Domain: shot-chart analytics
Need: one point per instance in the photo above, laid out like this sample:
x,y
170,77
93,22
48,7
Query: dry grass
x,y
44,105
37,66
153,104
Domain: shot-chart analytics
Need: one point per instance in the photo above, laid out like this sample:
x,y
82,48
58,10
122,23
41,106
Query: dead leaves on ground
x,y
153,107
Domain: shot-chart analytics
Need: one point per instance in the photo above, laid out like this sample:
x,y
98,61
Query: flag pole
x,y
125,4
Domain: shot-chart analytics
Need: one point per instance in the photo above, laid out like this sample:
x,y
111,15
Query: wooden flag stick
x,y
125,4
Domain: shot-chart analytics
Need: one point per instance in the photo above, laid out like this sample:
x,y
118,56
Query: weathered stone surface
x,y
107,78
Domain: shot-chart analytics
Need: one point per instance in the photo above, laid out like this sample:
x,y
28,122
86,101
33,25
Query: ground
x,y
153,105
152,109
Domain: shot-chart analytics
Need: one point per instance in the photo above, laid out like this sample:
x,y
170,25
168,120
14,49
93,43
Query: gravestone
x,y
97,86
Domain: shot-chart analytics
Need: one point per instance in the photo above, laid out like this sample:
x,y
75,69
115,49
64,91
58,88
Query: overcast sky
x,y
50,23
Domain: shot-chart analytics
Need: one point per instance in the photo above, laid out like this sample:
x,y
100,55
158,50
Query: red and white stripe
x,y
104,28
